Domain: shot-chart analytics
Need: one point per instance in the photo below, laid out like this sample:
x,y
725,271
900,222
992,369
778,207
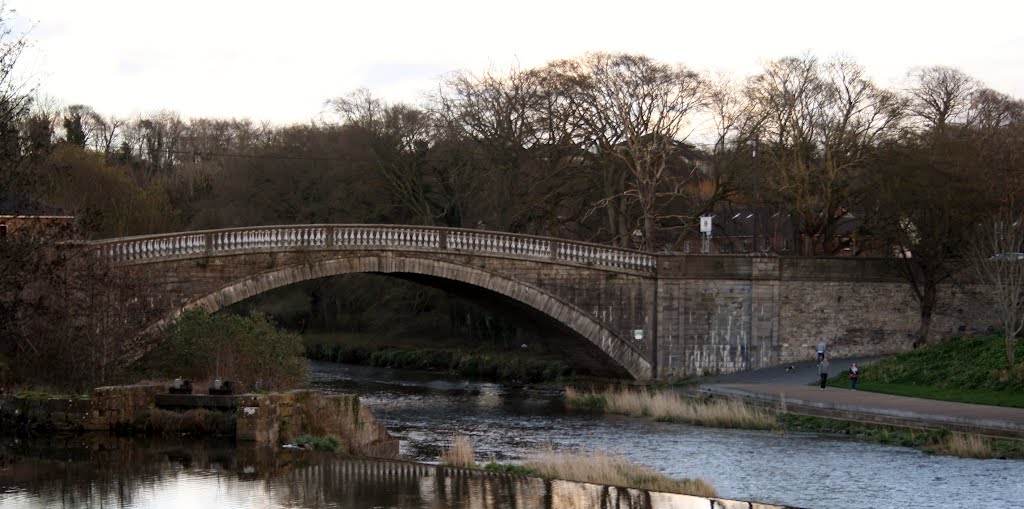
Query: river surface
x,y
800,469
505,423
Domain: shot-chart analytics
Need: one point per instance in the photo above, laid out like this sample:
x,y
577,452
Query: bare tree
x,y
15,100
635,113
997,255
818,123
521,142
940,96
400,136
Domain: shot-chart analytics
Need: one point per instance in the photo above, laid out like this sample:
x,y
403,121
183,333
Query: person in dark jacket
x,y
823,371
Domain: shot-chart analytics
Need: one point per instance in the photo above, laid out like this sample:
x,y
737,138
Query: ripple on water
x,y
802,469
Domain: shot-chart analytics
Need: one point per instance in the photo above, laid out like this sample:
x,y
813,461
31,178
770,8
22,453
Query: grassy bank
x,y
672,407
939,441
966,370
582,466
510,366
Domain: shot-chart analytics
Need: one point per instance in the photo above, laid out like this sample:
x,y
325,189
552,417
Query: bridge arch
x,y
619,352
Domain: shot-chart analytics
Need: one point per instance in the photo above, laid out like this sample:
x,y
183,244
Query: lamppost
x,y
757,197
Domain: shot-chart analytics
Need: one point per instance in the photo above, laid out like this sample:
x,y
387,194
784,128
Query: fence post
x,y
442,239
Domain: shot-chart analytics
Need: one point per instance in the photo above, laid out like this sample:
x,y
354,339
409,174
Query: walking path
x,y
792,389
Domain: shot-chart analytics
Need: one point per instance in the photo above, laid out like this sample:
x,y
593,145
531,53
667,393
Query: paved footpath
x,y
791,388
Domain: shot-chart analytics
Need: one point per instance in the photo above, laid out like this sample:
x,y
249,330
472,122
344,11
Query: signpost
x,y
705,230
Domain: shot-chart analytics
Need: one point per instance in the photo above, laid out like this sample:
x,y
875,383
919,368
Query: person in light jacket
x,y
854,373
823,371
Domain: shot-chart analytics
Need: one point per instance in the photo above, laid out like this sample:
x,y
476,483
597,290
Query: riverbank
x,y
268,419
753,407
478,361
965,370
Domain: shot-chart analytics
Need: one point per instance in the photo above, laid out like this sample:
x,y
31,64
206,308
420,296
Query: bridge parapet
x,y
155,248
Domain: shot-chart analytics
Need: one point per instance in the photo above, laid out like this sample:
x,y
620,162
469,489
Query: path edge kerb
x,y
871,415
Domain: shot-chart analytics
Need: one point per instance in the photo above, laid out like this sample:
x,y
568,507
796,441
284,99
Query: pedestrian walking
x,y
823,371
854,372
822,348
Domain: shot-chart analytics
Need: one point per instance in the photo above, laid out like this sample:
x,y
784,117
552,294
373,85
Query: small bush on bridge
x,y
250,350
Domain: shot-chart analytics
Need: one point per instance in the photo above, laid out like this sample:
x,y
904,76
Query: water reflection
x,y
103,471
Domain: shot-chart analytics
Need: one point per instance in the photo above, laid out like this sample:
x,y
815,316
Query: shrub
x,y
328,443
249,350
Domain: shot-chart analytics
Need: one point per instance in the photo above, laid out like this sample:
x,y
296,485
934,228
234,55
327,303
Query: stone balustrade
x,y
153,248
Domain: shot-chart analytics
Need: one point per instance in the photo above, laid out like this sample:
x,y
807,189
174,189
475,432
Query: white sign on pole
x,y
705,224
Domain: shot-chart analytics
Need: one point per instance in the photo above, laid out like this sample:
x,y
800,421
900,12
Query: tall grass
x,y
603,468
667,406
460,453
964,445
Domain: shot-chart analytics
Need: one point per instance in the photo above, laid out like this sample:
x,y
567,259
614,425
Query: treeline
x,y
611,148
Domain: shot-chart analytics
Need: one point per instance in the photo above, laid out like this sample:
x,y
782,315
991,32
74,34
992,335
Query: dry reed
x,y
672,407
603,468
965,445
460,454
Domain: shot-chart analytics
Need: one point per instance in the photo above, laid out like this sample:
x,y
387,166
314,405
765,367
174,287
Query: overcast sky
x,y
279,61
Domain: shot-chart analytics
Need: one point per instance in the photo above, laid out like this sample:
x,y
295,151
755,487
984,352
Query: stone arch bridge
x,y
616,312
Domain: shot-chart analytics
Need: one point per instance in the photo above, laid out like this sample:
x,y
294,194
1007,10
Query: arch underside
x,y
621,359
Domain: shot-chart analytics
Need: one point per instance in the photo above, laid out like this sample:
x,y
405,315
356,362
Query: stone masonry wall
x,y
269,419
603,306
279,418
720,314
106,409
708,314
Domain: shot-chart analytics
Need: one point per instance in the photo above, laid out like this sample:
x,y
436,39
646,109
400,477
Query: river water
x,y
800,469
426,411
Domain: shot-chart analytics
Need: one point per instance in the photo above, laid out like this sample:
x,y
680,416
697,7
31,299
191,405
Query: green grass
x,y
939,441
976,396
508,468
966,370
329,443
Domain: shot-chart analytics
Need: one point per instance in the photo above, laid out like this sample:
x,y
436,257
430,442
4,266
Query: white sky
x,y
279,61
